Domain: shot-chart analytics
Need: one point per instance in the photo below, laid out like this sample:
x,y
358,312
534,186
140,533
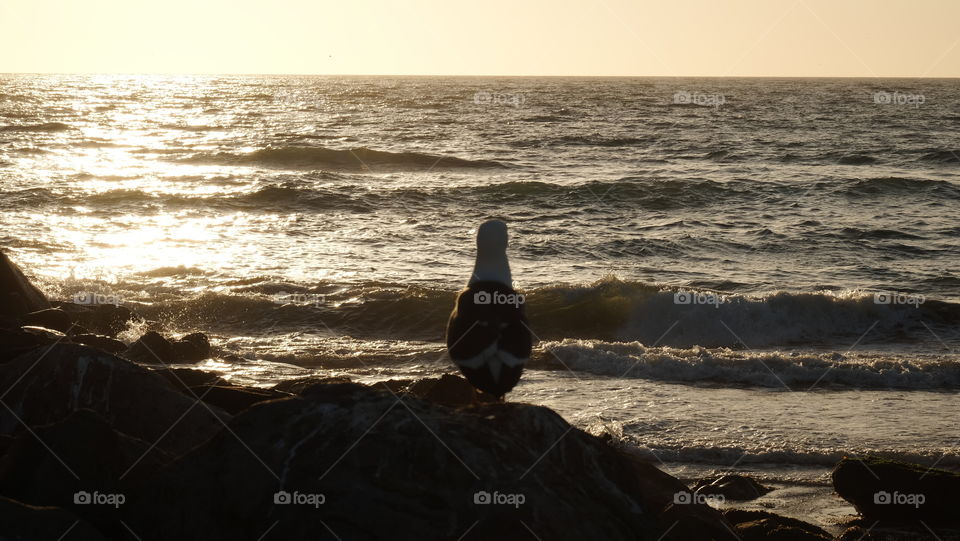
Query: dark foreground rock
x,y
357,462
731,487
55,464
762,525
21,522
17,295
891,491
49,383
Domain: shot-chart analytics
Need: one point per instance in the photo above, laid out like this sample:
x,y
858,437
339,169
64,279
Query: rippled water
x,y
327,222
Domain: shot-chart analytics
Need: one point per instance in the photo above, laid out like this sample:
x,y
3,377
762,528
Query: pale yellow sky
x,y
829,38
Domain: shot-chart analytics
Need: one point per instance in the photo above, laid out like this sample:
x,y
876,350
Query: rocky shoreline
x,y
100,439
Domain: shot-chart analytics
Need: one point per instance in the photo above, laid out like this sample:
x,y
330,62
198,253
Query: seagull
x,y
487,335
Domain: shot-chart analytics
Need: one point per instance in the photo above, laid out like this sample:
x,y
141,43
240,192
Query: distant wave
x,y
785,370
352,194
45,127
942,156
357,159
856,159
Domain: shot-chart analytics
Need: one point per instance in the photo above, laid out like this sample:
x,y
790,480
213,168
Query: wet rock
x,y
51,318
17,295
355,460
234,399
892,491
763,525
103,343
43,333
191,348
302,386
151,348
107,319
186,378
15,342
47,384
731,487
19,521
449,390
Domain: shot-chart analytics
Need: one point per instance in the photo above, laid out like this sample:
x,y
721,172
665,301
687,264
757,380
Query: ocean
x,y
749,274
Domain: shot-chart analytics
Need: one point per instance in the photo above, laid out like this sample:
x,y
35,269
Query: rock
x,y
19,521
103,343
731,487
108,319
355,460
887,490
768,529
17,295
191,348
151,348
449,390
15,342
763,525
856,533
186,378
234,399
55,463
304,386
46,385
43,333
51,318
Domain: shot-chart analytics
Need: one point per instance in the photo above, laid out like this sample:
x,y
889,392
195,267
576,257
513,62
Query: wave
x,y
356,159
608,310
856,159
942,157
784,370
900,185
44,127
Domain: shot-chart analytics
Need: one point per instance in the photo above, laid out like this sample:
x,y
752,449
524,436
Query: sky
x,y
799,38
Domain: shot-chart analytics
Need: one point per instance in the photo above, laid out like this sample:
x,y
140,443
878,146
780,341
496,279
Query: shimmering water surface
x,y
696,253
